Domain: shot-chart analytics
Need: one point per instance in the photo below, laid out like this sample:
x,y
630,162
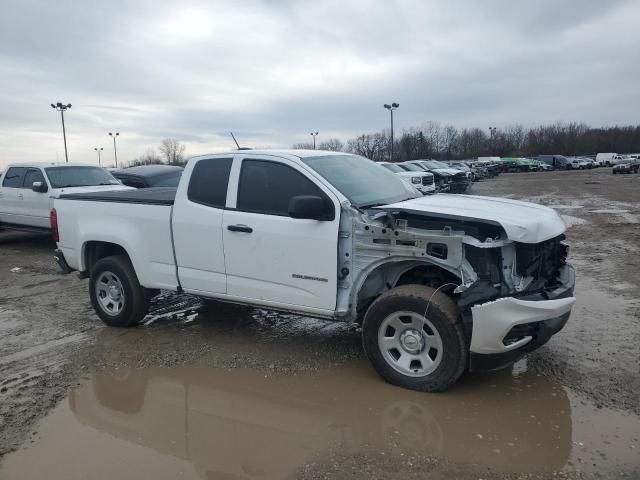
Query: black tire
x,y
136,300
442,313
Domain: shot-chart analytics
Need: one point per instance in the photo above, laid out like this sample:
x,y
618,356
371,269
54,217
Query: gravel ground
x,y
51,341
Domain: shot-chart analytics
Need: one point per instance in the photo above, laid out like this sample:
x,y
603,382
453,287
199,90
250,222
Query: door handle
x,y
239,228
20,196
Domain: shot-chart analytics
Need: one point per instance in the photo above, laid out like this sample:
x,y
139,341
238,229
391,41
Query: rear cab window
x,y
209,182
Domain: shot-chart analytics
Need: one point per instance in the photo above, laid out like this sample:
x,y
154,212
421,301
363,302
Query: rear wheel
x,y
413,338
116,295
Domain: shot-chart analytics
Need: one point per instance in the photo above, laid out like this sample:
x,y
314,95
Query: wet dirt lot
x,y
232,392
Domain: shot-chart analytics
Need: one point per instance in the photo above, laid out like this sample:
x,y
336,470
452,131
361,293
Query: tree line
x,y
170,151
443,142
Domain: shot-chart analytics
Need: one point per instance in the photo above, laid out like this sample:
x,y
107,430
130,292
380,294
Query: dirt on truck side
x,y
222,390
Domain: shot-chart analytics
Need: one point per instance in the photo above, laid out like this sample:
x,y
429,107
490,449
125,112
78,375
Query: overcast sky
x,y
272,71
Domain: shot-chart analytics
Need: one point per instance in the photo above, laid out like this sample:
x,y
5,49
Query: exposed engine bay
x,y
471,259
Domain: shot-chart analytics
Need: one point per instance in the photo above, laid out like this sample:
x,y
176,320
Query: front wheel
x,y
116,294
413,338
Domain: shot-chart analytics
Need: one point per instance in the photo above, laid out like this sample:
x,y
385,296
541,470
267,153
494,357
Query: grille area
x,y
427,180
541,261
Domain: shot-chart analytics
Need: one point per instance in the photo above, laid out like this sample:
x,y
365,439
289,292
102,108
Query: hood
x,y
522,221
446,171
93,188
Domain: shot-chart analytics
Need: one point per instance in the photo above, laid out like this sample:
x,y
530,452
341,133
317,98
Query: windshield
x,y
392,167
459,166
362,181
412,167
435,164
63,177
167,180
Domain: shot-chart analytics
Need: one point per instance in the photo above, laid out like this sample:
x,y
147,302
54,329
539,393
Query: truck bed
x,y
145,196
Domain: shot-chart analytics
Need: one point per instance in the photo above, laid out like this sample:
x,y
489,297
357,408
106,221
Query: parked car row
x,y
432,176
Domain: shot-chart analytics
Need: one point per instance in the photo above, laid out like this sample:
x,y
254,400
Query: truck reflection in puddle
x,y
242,424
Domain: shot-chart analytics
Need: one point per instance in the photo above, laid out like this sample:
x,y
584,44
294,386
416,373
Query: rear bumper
x,y
61,261
506,329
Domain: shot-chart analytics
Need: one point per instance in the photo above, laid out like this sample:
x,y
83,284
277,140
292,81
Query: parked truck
x,y
27,191
439,284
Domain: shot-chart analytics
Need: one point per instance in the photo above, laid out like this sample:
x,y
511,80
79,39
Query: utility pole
x,y
61,108
391,108
314,135
115,152
99,150
492,131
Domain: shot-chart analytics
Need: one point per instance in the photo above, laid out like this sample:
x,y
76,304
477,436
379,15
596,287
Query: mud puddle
x,y
196,422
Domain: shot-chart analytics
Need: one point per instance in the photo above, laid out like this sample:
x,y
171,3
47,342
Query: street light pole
x,y
391,108
115,153
492,131
314,134
99,150
61,108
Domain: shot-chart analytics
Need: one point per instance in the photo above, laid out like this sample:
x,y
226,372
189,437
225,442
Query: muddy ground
x,y
232,392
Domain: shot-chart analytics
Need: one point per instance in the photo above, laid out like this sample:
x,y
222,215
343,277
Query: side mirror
x,y
310,207
39,187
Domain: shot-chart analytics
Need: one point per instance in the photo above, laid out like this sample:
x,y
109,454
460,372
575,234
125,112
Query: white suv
x,y
422,181
28,189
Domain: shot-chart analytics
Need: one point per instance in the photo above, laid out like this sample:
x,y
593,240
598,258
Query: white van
x,y
605,159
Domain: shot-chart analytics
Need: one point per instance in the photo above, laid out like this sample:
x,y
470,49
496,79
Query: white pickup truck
x,y
27,191
440,284
421,181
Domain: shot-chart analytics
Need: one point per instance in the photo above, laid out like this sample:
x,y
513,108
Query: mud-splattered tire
x,y
116,295
409,349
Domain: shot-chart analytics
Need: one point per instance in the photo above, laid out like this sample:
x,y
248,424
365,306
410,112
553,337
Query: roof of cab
x,y
49,164
278,152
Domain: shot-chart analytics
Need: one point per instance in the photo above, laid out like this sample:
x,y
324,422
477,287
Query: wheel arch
x,y
95,250
386,274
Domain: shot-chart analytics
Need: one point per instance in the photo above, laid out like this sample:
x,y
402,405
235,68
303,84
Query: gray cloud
x,y
272,71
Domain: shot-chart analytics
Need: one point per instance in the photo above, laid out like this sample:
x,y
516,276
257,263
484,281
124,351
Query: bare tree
x,y
302,146
431,140
333,145
449,137
149,157
371,146
172,151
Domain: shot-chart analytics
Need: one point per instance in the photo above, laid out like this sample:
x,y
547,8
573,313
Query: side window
x,y
32,175
209,181
13,178
267,187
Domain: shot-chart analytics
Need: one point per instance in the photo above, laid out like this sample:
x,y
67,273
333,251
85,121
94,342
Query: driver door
x,y
270,257
34,206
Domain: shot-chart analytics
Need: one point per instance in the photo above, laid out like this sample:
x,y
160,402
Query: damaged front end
x,y
512,295
523,296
